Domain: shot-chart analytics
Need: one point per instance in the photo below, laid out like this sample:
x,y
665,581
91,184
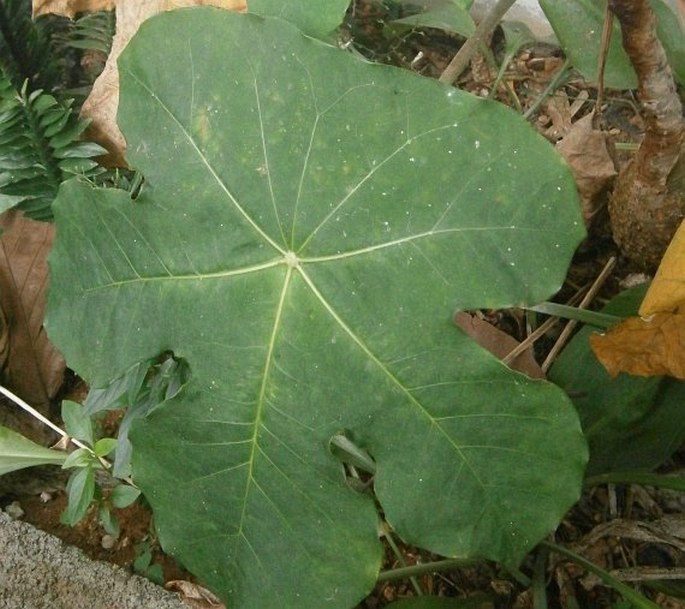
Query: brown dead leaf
x,y
69,8
498,343
586,150
194,595
667,291
103,101
558,108
31,367
644,346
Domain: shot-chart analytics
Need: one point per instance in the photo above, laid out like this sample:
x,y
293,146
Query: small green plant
x,y
143,564
94,480
90,470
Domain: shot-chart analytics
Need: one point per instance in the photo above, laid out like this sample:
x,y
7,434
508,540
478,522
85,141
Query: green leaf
x,y
301,242
18,452
118,392
77,422
81,457
451,17
319,22
348,452
108,521
630,422
104,446
123,495
80,491
578,25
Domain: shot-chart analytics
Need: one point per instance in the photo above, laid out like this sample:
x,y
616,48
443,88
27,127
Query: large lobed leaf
x,y
319,21
578,25
308,225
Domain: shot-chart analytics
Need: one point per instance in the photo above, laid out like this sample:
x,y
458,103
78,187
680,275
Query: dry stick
x,y
558,79
540,331
602,57
589,297
34,413
479,36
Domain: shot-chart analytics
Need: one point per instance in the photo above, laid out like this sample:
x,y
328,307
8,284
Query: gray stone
x,y
38,571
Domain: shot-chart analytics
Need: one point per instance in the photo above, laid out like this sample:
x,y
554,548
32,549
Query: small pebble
x,y
107,542
14,510
45,496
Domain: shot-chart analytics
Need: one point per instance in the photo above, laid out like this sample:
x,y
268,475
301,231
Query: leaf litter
x,y
31,365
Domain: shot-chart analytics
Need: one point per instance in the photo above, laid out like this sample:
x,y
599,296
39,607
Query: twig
x,y
480,36
628,593
34,413
602,57
540,331
587,299
554,84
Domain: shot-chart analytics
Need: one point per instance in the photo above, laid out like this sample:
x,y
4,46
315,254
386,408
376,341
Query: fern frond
x,y
39,149
26,52
93,32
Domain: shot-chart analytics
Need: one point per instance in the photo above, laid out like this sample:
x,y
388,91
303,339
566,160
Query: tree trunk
x,y
648,202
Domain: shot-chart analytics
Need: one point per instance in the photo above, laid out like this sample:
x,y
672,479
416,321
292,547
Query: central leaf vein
x,y
262,398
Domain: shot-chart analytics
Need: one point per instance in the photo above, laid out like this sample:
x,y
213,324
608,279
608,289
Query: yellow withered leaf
x,y
653,344
667,292
649,346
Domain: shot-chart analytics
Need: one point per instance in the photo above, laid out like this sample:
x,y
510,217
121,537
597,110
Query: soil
x,y
41,496
428,52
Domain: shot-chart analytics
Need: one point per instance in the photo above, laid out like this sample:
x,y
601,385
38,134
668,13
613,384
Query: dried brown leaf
x,y
103,101
69,8
644,346
194,595
32,366
558,109
587,153
498,343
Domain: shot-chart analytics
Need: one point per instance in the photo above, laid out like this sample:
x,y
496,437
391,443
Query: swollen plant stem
x,y
479,36
638,601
